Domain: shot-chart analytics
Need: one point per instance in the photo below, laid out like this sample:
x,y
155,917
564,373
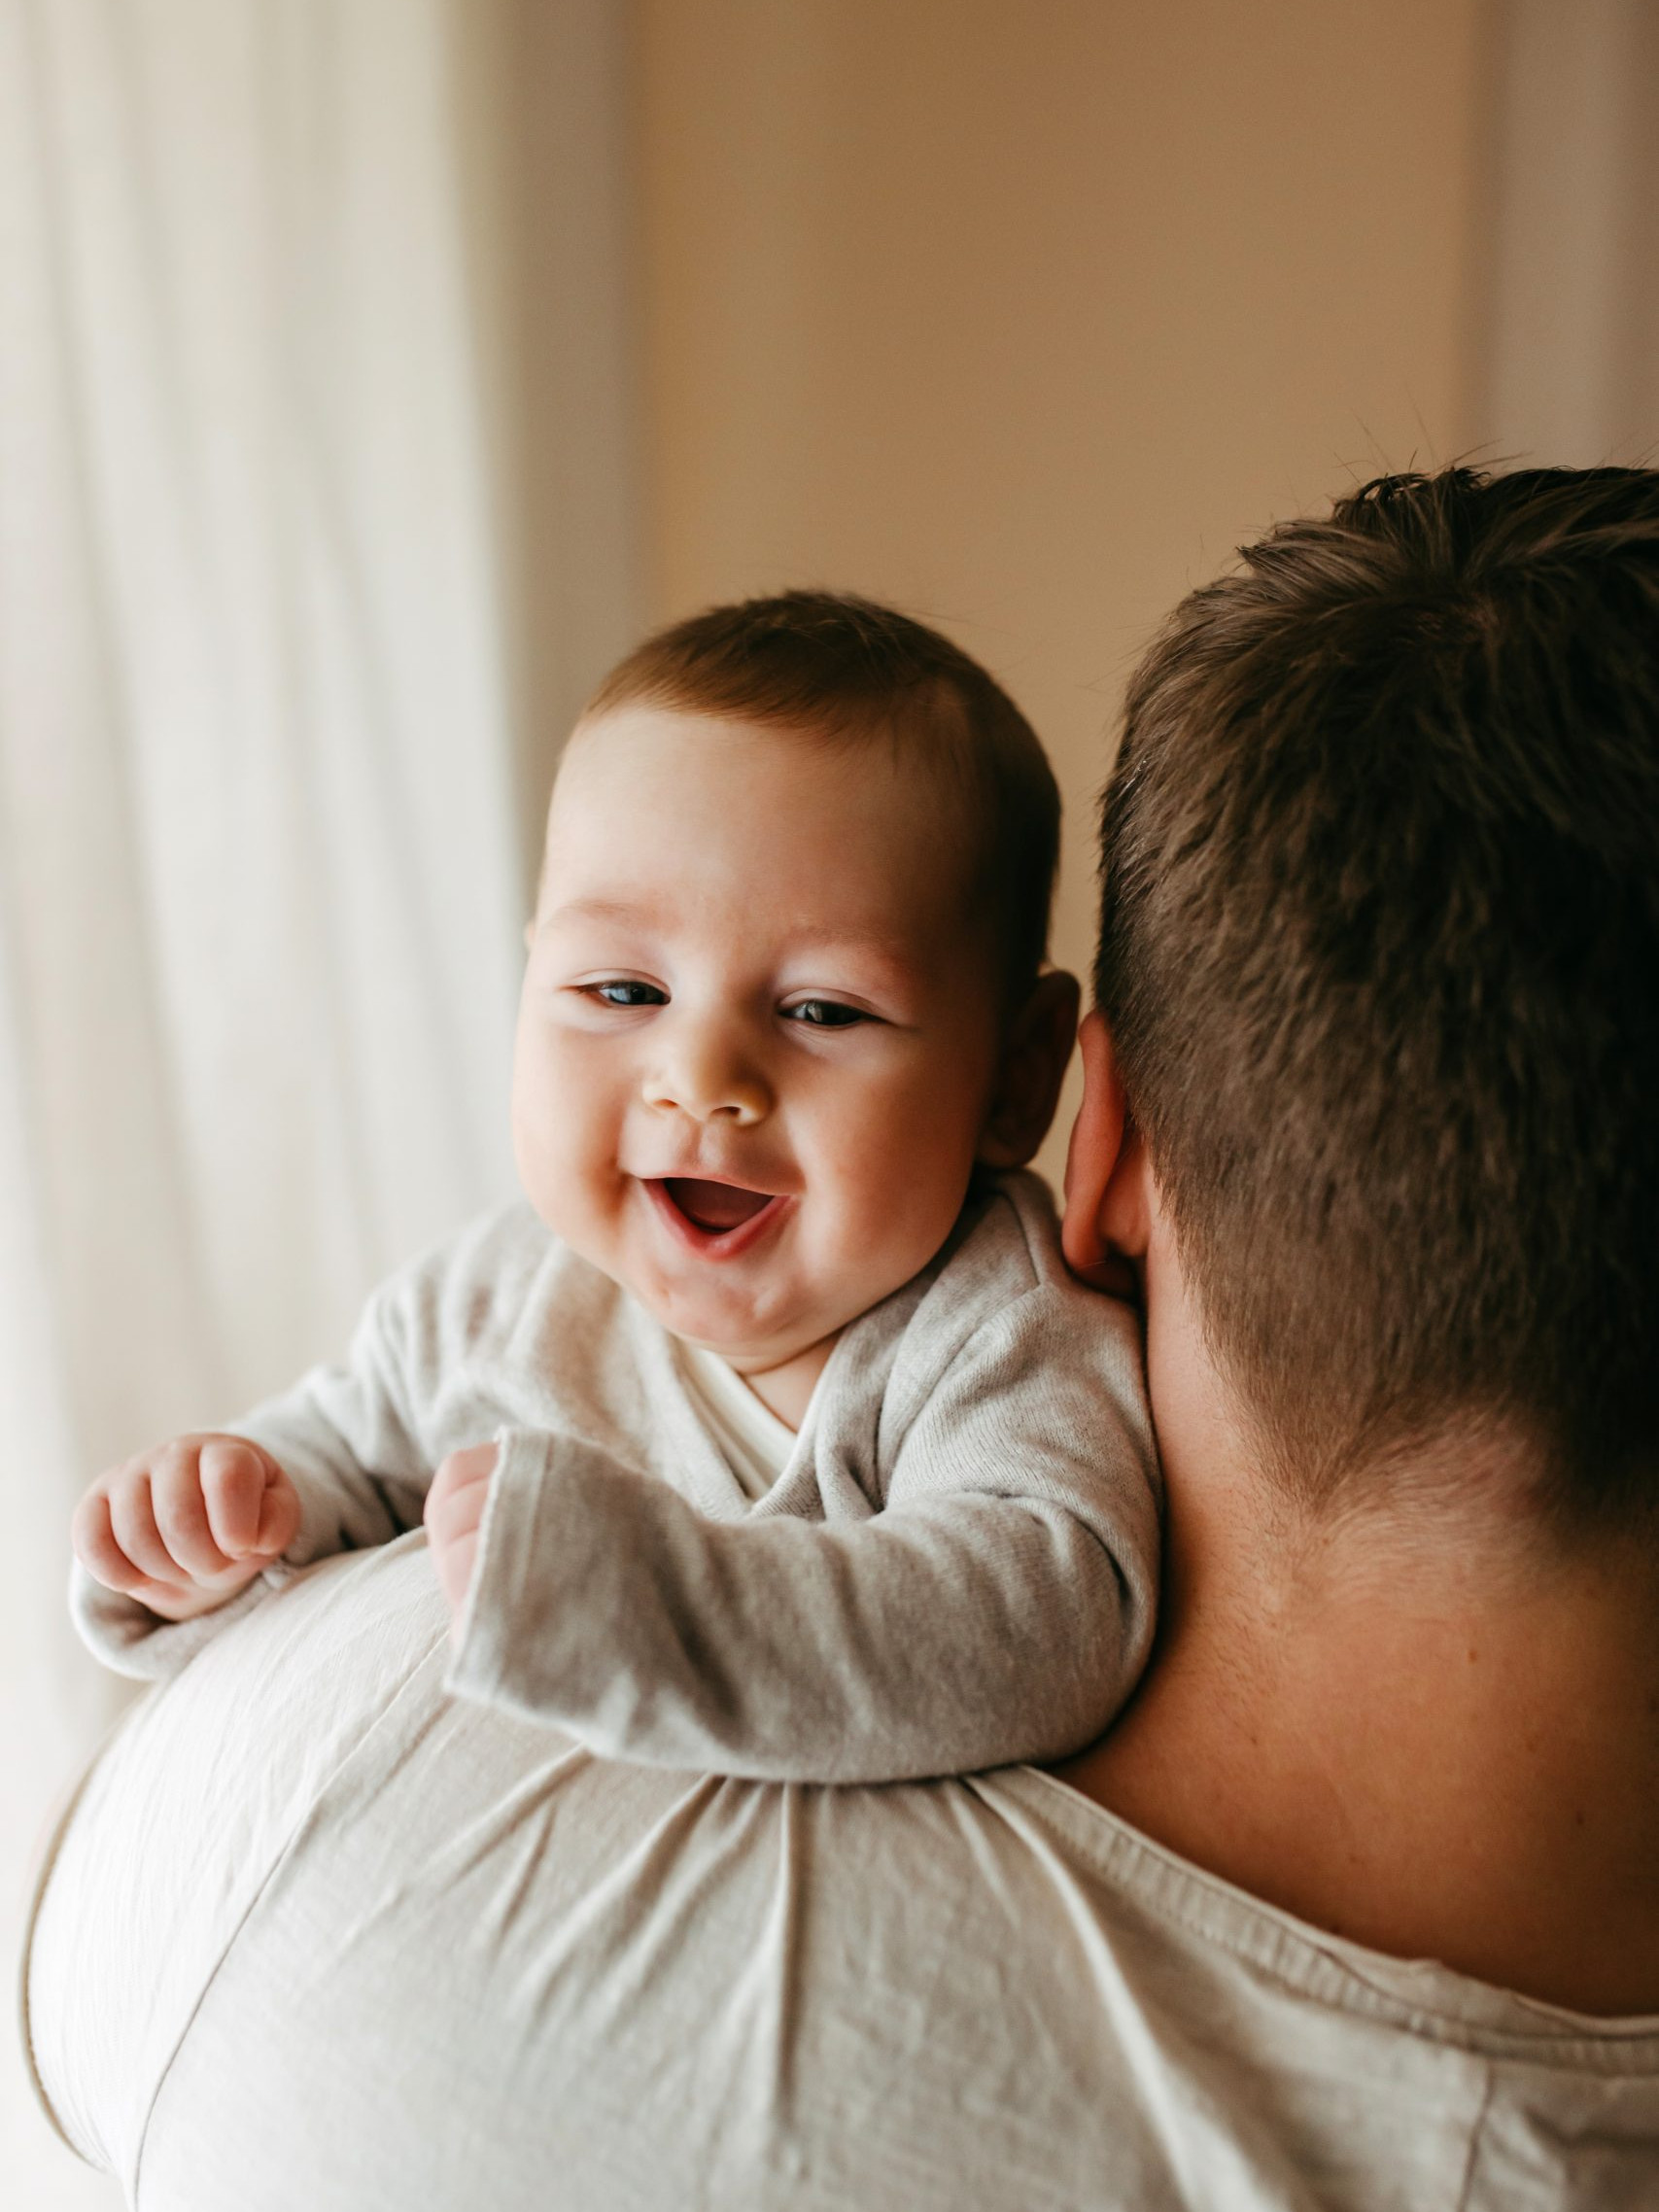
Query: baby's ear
x,y
1033,1065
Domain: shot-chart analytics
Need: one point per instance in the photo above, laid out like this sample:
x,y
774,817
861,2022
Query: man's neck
x,y
1422,1733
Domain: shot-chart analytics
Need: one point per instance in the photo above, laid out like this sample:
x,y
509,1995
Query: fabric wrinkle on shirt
x,y
398,1948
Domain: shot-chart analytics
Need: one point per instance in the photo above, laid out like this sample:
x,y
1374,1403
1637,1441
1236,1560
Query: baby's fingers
x,y
132,1525
104,1560
455,1501
234,1476
92,1535
253,1508
279,1514
181,1513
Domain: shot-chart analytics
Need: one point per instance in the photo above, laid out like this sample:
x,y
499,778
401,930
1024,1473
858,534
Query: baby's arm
x,y
207,1523
999,1609
184,1528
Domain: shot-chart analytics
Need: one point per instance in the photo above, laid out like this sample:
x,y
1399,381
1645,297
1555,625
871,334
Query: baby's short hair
x,y
832,665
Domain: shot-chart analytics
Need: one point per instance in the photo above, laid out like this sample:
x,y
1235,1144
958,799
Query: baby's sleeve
x,y
998,1607
346,1436
1028,1484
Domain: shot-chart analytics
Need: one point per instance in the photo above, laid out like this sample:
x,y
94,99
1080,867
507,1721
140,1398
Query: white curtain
x,y
259,866
1570,368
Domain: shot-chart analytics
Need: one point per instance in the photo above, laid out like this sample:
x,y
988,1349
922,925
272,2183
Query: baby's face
x,y
759,1032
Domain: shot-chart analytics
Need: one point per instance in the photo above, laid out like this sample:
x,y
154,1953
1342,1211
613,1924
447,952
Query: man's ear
x,y
1035,1054
1105,1226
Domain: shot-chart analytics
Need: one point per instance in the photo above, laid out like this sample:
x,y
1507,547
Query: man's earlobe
x,y
1097,1161
1034,1060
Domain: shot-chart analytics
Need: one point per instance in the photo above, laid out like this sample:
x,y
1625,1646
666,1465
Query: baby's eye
x,y
627,993
824,1013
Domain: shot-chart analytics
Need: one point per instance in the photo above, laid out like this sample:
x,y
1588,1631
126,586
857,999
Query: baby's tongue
x,y
714,1206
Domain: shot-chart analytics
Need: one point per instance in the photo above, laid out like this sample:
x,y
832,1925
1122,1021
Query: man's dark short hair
x,y
832,667
1380,951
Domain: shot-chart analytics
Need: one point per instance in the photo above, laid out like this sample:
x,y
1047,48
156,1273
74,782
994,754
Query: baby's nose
x,y
709,1078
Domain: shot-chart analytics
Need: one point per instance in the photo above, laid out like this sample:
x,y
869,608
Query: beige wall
x,y
1024,315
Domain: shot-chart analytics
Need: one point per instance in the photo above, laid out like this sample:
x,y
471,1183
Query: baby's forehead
x,y
902,744
643,762
846,824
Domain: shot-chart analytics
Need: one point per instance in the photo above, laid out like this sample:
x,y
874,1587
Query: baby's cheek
x,y
539,1171
579,1199
906,1196
555,1164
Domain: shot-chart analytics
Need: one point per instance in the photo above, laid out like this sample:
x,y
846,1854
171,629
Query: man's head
x,y
1379,961
784,983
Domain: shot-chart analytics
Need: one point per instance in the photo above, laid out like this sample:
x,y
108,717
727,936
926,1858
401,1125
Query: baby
x,y
810,1462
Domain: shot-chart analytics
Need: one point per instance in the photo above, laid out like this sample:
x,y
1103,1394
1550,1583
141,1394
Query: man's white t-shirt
x,y
318,1934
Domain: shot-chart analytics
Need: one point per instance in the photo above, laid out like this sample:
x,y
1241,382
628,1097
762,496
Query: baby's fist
x,y
454,1514
185,1527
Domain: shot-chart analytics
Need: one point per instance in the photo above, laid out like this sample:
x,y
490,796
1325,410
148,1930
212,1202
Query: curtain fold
x,y
260,886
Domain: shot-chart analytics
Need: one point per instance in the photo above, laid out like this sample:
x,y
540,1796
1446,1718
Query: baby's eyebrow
x,y
597,910
881,960
882,942
884,945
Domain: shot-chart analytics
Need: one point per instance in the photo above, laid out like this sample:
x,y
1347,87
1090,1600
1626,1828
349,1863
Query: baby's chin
x,y
747,1351
749,1343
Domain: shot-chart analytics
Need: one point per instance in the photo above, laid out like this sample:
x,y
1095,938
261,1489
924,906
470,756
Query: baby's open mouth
x,y
715,1208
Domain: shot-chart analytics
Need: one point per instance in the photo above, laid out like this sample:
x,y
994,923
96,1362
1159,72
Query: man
x,y
1368,1117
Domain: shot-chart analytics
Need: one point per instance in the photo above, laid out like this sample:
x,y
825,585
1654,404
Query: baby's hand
x,y
453,1510
185,1527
